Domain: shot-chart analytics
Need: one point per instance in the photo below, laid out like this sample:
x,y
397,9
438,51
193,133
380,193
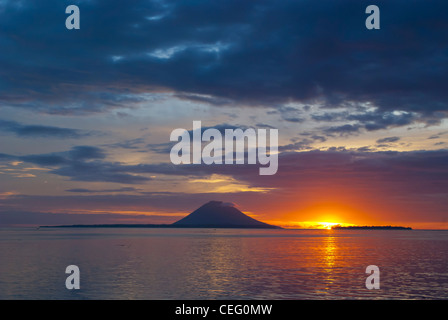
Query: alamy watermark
x,y
73,280
373,280
73,21
235,146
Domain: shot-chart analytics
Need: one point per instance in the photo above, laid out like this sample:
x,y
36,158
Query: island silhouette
x,y
213,214
218,214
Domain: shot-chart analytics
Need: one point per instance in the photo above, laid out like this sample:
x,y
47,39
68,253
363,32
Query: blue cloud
x,y
34,131
257,53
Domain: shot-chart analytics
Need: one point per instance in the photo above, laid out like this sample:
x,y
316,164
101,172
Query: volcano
x,y
214,214
218,214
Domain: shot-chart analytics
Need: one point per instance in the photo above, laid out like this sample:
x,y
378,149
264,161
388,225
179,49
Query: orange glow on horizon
x,y
320,224
326,225
326,214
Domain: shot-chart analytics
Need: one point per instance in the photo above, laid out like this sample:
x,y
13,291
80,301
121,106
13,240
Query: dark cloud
x,y
85,153
369,121
256,53
364,149
264,126
304,144
34,131
290,114
330,116
94,171
318,138
381,120
163,148
294,119
388,140
81,163
217,101
75,156
44,159
438,135
346,129
6,157
134,144
82,190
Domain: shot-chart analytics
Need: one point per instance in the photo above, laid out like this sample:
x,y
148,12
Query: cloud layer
x,y
257,53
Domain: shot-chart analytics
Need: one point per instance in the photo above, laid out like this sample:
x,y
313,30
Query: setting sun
x,y
315,224
328,225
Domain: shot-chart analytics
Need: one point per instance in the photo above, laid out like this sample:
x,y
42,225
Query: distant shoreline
x,y
157,226
171,226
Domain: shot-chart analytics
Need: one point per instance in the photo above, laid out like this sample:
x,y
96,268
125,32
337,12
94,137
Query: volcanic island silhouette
x,y
214,214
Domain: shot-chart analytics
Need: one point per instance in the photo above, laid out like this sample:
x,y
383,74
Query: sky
x,y
86,115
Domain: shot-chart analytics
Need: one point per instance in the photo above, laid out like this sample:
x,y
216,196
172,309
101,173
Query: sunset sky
x,y
86,115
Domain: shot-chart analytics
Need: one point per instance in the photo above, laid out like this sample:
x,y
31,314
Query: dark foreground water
x,y
222,264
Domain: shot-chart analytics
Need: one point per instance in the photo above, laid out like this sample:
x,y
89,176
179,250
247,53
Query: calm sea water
x,y
222,264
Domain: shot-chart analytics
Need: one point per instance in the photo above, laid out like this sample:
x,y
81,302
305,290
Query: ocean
x,y
203,264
